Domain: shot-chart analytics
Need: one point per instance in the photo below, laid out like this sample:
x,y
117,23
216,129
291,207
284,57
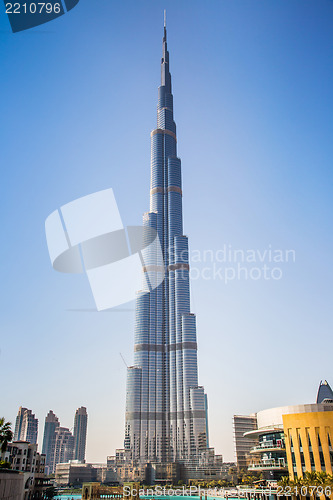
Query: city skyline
x,y
252,84
59,443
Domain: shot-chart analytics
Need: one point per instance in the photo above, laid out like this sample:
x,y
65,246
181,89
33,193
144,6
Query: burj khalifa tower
x,y
166,409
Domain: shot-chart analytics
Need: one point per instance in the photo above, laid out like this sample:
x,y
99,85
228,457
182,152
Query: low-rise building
x,y
293,440
243,444
309,438
11,484
24,457
76,472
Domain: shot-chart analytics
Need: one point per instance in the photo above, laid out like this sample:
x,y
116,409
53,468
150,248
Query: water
x,y
67,496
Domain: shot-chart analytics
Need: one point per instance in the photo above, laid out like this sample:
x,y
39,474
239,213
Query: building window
x,y
301,452
312,460
319,442
322,460
293,459
309,440
300,442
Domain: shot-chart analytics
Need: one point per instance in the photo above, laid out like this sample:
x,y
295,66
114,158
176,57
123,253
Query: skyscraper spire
x,y
165,72
166,409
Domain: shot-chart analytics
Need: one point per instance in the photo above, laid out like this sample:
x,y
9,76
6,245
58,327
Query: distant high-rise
x,y
325,393
62,449
243,445
166,408
51,424
80,433
26,426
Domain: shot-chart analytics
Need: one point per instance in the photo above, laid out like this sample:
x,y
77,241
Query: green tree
x,y
6,434
297,484
4,465
50,493
284,481
322,478
310,478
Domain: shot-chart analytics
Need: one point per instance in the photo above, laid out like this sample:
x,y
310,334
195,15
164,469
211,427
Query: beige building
x,y
24,458
11,484
75,473
243,444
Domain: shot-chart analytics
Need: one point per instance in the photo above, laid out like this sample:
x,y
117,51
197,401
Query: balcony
x,y
268,446
272,464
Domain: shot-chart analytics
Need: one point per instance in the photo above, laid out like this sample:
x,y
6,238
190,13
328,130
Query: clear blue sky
x,y
252,82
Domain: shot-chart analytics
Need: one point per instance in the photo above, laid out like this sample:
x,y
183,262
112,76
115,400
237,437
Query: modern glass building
x,y
325,393
50,426
243,444
166,409
26,426
80,433
62,450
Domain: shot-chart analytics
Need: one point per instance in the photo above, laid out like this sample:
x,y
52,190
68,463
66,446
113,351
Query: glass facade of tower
x,y
50,426
80,433
166,410
26,426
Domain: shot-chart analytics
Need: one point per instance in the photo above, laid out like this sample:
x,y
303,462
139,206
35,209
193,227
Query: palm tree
x,y
311,478
322,478
283,482
6,434
296,485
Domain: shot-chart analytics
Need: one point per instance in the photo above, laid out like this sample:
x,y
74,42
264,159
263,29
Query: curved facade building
x,y
166,409
293,439
309,438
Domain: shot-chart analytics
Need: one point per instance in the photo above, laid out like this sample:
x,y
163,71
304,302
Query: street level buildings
x,y
25,460
293,440
75,473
